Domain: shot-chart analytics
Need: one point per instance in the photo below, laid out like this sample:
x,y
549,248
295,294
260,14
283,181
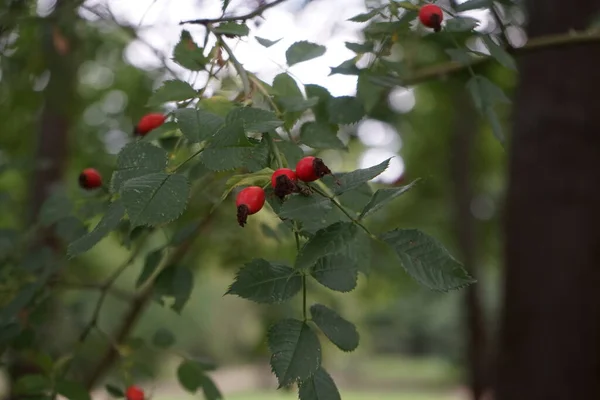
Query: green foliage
x,y
382,197
232,29
135,160
72,390
266,42
176,282
197,125
345,110
320,135
319,386
303,51
188,54
499,53
486,95
174,90
336,272
109,222
192,377
341,332
163,338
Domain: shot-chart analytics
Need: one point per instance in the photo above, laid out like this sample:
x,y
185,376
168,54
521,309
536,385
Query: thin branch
x,y
118,293
236,64
244,17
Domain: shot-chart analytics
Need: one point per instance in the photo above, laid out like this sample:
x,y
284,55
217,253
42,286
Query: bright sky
x,y
320,21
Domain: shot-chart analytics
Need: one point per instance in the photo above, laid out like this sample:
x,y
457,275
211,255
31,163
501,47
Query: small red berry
x,y
149,122
284,182
134,393
431,16
310,169
90,179
249,201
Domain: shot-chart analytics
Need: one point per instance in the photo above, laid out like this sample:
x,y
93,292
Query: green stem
x,y
188,159
273,148
236,64
297,236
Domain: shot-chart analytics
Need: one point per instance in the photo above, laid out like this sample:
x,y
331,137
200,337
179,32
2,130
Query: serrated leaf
x,y
297,104
320,110
365,16
356,178
177,282
296,351
360,47
320,135
226,158
285,86
56,207
347,67
114,391
473,5
319,386
461,24
188,54
485,93
232,28
155,198
336,272
461,56
426,260
341,238
341,332
303,51
255,119
151,263
109,222
266,42
197,125
173,90
345,110
137,159
383,196
264,282
163,338
499,54
368,92
231,134
72,390
291,152
305,209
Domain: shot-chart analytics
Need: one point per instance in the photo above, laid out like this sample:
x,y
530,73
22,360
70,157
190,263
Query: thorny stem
x,y
252,14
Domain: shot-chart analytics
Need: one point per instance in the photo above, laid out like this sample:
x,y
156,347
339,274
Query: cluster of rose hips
x,y
90,178
284,181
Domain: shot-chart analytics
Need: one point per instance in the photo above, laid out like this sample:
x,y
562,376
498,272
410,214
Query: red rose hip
x,y
249,201
134,393
431,16
283,182
90,179
310,169
149,122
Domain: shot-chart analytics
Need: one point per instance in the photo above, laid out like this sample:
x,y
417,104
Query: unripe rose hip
x,y
283,182
431,16
149,122
134,393
249,201
310,169
90,179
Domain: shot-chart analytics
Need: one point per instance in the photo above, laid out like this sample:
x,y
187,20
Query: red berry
x,y
431,16
149,122
249,201
284,182
90,179
134,393
310,169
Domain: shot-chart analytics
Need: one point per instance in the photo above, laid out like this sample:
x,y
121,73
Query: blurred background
x,y
415,344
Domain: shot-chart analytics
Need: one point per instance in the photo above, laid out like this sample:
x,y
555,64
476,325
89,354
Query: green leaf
x,y
303,51
461,56
137,159
232,134
336,272
155,198
461,24
320,135
254,119
188,54
72,390
190,375
306,209
297,104
485,93
56,207
473,5
177,282
495,125
163,338
173,90
263,282
366,16
347,67
266,42
259,178
341,332
383,196
341,238
356,178
370,94
211,391
152,262
197,125
114,391
499,53
426,260
296,351
320,110
291,152
286,86
360,48
345,110
232,28
32,384
319,386
226,158
110,221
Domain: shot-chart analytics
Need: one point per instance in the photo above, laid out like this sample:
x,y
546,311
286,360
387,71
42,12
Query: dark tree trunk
x,y
550,337
464,134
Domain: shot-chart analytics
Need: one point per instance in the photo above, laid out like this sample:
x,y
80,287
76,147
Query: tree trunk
x,y
550,337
